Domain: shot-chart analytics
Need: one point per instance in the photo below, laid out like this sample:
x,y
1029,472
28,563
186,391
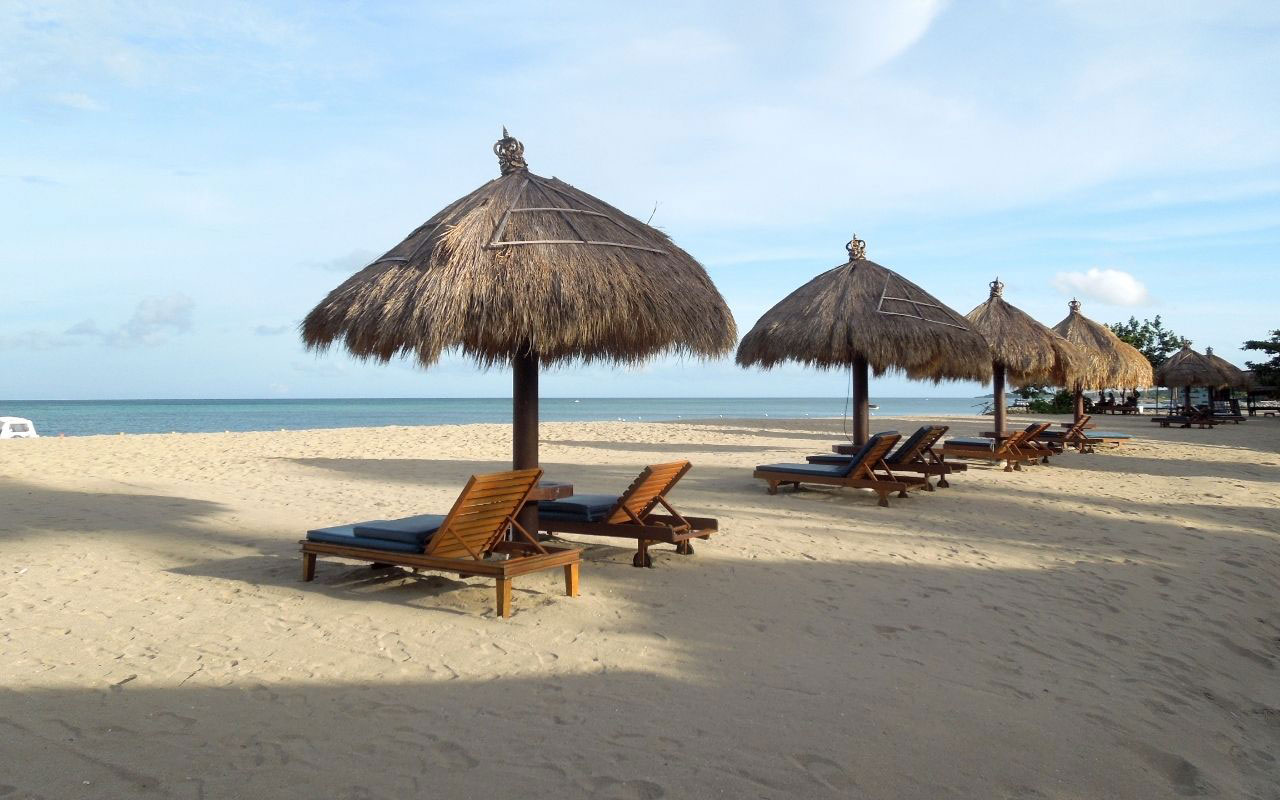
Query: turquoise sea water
x,y
87,417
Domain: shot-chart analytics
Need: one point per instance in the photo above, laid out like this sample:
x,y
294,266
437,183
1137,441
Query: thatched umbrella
x,y
1187,368
1024,351
862,315
1236,377
1120,363
526,271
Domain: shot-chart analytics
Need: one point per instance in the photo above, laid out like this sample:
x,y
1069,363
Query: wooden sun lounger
x,y
1007,450
866,469
463,542
1073,436
631,516
1032,444
1196,416
915,455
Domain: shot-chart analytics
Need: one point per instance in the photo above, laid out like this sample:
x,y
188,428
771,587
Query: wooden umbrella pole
x,y
997,390
861,412
524,424
1186,399
1079,406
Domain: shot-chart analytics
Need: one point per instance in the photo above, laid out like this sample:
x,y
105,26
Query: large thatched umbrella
x,y
1187,368
862,315
1026,352
526,271
1120,363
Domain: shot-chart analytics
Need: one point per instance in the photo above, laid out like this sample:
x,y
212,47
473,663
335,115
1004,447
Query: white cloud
x,y
77,100
1112,286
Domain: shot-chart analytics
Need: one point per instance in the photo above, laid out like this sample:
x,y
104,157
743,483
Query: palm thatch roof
x,y
1237,378
1121,363
1189,368
527,264
1030,352
863,310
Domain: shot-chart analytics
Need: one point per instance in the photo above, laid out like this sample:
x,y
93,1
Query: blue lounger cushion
x,y
578,507
820,470
976,442
346,535
1106,435
410,530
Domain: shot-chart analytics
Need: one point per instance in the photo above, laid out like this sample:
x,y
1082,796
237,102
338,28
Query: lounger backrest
x,y
653,482
1035,429
872,453
482,513
1011,442
909,451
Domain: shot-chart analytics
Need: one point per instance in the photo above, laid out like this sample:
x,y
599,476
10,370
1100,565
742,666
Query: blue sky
x,y
180,183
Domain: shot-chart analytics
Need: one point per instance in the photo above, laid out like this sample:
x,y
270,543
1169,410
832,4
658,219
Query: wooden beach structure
x,y
867,318
527,271
1187,369
1024,352
1117,362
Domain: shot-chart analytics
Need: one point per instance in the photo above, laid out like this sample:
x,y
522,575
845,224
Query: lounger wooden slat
x,y
464,543
632,515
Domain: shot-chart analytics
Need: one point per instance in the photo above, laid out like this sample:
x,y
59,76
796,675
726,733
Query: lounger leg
x,y
884,498
928,487
943,483
308,567
571,580
504,597
773,487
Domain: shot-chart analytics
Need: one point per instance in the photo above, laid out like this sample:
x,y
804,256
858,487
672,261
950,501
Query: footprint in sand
x,y
824,771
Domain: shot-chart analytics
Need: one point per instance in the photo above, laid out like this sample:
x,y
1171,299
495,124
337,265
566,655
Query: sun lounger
x,y
461,541
866,469
1032,444
1007,450
915,455
1073,436
631,515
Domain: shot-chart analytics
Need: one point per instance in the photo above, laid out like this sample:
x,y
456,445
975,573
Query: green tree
x,y
1266,373
1150,336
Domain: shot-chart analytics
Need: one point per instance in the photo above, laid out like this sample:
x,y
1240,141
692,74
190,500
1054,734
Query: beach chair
x,y
1032,444
464,541
915,455
1073,436
1007,450
865,469
631,515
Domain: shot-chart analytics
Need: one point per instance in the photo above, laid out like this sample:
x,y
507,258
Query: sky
x,y
181,182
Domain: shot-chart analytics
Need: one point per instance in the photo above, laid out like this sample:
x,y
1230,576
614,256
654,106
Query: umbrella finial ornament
x,y
1186,342
510,153
857,248
1074,305
996,287
1208,351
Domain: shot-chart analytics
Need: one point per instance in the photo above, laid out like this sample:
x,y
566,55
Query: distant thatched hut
x,y
1187,368
865,316
1236,377
1026,352
527,270
1121,364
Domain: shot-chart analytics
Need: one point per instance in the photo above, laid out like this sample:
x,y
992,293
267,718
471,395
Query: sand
x,y
1104,626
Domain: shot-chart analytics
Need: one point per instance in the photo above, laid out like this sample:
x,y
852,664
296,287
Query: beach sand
x,y
1104,626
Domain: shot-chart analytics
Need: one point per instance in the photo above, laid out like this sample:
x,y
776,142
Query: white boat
x,y
17,428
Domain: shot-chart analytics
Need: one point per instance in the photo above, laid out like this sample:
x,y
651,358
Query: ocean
x,y
89,417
